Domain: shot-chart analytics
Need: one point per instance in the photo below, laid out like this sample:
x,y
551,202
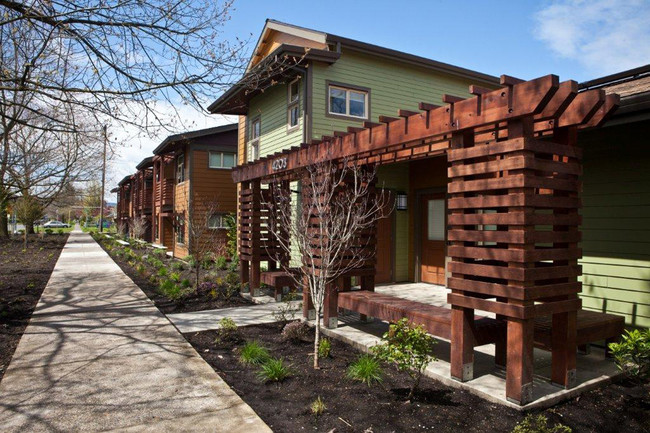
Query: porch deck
x,y
593,368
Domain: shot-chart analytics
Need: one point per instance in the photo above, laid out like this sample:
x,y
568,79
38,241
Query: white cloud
x,y
605,36
133,145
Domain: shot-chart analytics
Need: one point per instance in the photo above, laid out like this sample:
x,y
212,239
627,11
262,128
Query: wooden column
x,y
255,238
462,319
330,307
245,212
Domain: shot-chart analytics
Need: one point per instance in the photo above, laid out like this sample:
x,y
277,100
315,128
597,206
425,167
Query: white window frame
x,y
221,155
180,168
293,103
222,221
254,142
347,91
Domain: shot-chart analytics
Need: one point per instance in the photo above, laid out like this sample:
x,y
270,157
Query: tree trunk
x,y
414,386
317,339
25,240
4,221
29,228
198,269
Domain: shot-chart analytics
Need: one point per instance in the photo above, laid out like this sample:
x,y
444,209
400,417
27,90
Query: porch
x,y
489,382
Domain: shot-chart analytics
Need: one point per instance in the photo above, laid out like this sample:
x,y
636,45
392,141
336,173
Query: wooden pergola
x,y
513,163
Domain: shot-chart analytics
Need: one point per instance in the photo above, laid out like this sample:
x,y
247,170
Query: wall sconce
x,y
401,201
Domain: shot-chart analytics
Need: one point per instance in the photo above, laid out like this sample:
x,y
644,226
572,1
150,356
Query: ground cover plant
x,y
24,273
350,405
170,283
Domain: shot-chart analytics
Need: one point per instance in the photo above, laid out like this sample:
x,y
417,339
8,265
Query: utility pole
x,y
101,200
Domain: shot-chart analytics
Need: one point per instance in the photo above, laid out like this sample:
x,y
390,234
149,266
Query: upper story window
x,y
254,143
180,169
350,102
293,104
221,160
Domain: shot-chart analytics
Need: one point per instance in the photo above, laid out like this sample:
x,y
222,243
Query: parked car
x,y
55,225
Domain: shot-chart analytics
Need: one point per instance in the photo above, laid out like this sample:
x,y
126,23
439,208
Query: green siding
x,y
271,108
395,177
392,85
616,222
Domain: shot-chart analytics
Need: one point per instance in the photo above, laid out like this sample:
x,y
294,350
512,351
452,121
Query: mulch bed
x,y
23,276
354,407
187,304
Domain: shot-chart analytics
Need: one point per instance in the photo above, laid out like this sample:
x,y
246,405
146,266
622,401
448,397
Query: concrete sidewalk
x,y
97,356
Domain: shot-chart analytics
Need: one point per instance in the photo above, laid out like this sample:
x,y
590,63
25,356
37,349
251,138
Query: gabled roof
x,y
319,43
171,141
145,163
124,180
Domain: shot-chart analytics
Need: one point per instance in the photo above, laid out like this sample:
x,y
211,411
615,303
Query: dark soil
x,y
354,407
23,276
191,302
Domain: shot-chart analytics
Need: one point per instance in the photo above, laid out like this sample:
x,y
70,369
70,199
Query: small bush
x,y
409,347
49,231
175,277
232,279
539,424
162,272
295,332
159,253
207,263
632,354
186,283
324,348
228,332
191,261
177,266
171,290
234,264
221,263
366,370
140,269
287,310
318,407
274,370
155,263
253,354
60,231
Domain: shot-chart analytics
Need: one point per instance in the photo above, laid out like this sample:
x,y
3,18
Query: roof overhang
x,y
173,142
145,163
282,63
125,179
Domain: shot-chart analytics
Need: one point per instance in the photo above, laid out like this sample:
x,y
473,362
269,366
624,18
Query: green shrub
x,y
155,262
365,369
234,264
324,348
162,272
632,354
228,332
539,424
318,407
171,290
175,277
177,266
207,263
191,261
253,353
231,234
60,231
186,283
159,253
232,279
274,370
409,347
140,269
221,263
49,231
287,310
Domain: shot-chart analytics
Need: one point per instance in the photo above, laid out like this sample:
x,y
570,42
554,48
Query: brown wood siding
x,y
181,205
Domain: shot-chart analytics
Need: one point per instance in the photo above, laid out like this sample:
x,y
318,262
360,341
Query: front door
x,y
384,251
432,238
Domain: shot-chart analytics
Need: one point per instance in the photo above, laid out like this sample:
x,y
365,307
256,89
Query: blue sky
x,y
575,39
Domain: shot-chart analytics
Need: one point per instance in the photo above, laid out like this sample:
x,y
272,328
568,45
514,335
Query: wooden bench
x,y
436,320
279,280
591,326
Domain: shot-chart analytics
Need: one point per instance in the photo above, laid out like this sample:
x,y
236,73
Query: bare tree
x,y
122,229
205,242
339,207
138,227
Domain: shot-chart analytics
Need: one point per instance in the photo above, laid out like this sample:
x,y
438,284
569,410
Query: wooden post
x,y
330,307
519,370
255,238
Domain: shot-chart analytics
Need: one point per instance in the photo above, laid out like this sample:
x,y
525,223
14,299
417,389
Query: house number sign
x,y
279,164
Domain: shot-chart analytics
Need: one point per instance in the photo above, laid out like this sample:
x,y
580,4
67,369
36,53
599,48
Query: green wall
x,y
392,85
271,107
616,221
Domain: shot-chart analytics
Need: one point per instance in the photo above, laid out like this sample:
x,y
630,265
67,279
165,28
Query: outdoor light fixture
x,y
401,201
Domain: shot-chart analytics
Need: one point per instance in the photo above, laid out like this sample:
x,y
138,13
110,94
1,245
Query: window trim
x,y
346,87
291,105
253,141
180,223
181,156
222,153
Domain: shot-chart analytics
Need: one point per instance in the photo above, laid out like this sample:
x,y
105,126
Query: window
x,y
180,229
293,107
348,102
180,169
254,144
221,160
436,220
217,221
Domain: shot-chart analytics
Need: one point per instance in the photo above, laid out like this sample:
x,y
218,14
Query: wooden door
x,y
432,238
384,251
